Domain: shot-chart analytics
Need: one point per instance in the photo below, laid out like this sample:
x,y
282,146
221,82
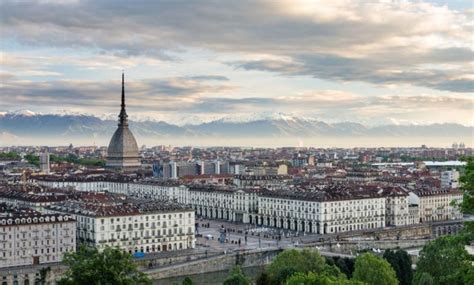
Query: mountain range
x,y
76,126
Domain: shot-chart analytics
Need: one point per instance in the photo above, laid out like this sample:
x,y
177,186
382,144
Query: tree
x,y
292,261
446,261
9,156
425,279
44,274
111,266
467,186
264,279
346,265
237,277
312,278
32,159
374,270
401,263
188,281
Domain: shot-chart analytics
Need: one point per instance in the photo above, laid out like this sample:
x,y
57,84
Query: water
x,y
211,278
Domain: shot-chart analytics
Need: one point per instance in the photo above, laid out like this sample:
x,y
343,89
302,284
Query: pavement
x,y
250,236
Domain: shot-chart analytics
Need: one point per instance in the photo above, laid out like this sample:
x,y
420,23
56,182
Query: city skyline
x,y
236,142
386,63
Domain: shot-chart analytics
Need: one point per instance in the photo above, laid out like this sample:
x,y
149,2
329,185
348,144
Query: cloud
x,y
385,43
160,94
176,99
409,69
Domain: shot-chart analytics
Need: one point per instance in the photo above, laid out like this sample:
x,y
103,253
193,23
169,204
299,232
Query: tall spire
x,y
123,90
123,114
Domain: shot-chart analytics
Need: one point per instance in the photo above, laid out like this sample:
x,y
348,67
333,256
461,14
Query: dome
x,y
122,144
122,152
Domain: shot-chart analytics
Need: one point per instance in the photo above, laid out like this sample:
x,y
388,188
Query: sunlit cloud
x,y
379,61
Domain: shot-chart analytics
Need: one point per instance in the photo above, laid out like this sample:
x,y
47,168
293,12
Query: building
x,y
275,202
134,225
122,152
261,180
323,212
397,208
44,162
436,204
28,237
450,179
30,196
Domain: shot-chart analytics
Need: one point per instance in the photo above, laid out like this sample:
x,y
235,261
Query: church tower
x,y
122,152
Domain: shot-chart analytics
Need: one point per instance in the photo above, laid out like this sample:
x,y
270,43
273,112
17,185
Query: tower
x,y
122,152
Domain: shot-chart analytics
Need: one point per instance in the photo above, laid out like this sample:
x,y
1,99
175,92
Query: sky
x,y
387,62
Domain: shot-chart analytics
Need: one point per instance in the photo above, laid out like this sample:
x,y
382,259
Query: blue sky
x,y
187,61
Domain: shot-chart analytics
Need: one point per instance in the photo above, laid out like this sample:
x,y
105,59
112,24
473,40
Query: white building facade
x,y
152,231
36,239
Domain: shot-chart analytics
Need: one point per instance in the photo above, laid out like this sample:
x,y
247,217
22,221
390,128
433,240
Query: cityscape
x,y
207,142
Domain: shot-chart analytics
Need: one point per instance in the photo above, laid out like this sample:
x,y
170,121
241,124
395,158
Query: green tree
x,y
447,261
401,263
237,277
467,186
292,261
111,266
374,270
9,156
32,159
188,281
425,279
264,279
312,278
346,265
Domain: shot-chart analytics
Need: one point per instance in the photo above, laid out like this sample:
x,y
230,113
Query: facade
x,y
397,207
28,237
450,179
320,212
44,162
122,152
139,226
436,205
323,209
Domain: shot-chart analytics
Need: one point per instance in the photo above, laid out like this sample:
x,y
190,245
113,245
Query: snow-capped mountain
x,y
75,126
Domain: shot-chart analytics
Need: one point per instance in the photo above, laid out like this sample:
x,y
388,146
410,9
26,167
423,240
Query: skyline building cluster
x,y
152,201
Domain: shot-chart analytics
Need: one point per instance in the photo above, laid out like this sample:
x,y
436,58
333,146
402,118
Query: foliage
x,y
447,261
111,266
74,159
44,274
345,264
188,281
425,279
401,263
9,156
32,159
467,186
312,278
374,270
291,261
264,279
237,277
